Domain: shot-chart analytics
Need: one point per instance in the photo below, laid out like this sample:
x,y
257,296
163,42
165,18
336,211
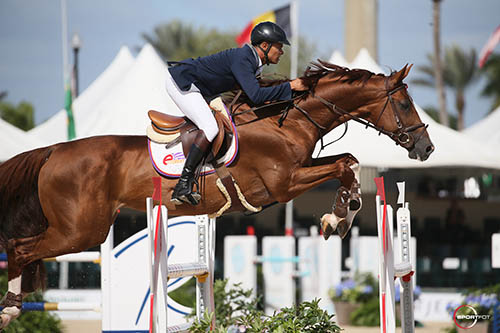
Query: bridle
x,y
402,135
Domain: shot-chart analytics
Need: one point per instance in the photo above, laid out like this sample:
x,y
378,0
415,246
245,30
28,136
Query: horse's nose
x,y
429,149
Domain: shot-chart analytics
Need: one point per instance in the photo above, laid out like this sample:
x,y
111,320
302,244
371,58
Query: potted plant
x,y
349,295
357,301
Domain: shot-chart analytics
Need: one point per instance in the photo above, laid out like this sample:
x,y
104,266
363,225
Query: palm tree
x,y
176,41
438,68
492,71
460,70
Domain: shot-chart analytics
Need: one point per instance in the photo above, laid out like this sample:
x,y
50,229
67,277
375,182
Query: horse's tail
x,y
21,212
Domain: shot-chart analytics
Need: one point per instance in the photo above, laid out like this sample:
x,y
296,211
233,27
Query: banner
x,y
280,16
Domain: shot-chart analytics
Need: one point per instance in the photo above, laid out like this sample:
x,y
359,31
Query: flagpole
x,y
294,27
294,55
64,266
64,37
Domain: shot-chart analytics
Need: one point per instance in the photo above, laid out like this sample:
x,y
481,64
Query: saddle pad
x,y
170,161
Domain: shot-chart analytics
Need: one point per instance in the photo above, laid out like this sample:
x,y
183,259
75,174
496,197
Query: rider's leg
x,y
194,106
183,191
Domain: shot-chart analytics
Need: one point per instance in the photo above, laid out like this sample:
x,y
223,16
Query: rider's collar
x,y
257,58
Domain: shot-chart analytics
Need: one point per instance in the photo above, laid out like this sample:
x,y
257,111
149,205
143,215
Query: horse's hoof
x,y
343,228
326,228
329,223
327,231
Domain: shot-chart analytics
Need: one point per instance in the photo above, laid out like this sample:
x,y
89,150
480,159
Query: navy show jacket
x,y
220,72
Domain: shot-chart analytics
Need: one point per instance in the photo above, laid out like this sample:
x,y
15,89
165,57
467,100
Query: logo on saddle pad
x,y
168,159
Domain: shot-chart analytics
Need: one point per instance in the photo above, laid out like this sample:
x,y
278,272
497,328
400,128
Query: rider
x,y
192,81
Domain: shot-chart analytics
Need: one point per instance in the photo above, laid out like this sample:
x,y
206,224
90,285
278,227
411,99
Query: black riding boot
x,y
183,191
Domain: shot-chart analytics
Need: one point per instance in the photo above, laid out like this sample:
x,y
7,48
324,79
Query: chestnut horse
x,y
64,198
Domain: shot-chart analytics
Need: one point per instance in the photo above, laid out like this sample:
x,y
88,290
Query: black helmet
x,y
268,32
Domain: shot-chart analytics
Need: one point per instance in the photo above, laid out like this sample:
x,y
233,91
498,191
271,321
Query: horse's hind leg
x,y
12,301
24,254
22,280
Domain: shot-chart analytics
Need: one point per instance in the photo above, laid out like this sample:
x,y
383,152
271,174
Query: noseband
x,y
402,135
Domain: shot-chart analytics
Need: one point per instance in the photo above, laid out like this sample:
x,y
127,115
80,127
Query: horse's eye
x,y
405,105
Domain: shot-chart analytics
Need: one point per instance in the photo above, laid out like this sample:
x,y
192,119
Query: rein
x,y
401,136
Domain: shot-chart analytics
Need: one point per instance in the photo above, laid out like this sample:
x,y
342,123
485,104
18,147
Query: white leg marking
x,y
11,312
15,285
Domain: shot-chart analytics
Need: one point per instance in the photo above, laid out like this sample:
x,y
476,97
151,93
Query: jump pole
x,y
386,260
388,270
203,269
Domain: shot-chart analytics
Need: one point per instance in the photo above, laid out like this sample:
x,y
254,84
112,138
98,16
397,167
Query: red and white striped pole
x,y
386,262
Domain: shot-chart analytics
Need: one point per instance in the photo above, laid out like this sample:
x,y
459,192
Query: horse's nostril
x,y
429,149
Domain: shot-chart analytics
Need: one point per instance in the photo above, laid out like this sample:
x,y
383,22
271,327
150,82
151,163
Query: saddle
x,y
170,130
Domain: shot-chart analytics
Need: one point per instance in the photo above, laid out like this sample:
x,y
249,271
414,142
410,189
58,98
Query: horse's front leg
x,y
347,202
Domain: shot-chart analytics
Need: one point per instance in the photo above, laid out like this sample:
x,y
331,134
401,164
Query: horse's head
x,y
398,118
378,101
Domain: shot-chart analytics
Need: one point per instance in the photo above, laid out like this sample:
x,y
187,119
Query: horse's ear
x,y
406,70
399,76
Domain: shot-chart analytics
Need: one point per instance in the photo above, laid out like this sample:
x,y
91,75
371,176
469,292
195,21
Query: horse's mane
x,y
317,70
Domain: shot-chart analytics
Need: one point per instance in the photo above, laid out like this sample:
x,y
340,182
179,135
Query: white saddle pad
x,y
170,161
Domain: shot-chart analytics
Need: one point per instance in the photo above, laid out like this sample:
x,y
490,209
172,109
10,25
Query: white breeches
x,y
194,106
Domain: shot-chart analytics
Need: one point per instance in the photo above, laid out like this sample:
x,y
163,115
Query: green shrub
x,y
236,307
368,314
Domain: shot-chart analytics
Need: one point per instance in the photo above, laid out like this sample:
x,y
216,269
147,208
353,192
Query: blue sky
x,y
31,55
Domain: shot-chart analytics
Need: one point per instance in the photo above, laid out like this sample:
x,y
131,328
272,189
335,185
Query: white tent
x,y
365,61
338,59
486,130
124,108
452,148
55,129
14,141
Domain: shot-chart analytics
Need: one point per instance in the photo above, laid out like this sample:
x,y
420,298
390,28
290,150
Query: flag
x,y
489,47
68,100
280,16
